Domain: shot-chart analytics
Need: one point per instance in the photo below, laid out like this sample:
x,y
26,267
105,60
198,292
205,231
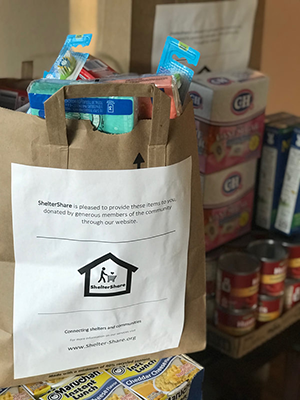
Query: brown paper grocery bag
x,y
55,142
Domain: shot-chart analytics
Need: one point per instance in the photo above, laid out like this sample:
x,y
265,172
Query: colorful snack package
x,y
169,66
170,378
166,83
69,63
37,389
94,385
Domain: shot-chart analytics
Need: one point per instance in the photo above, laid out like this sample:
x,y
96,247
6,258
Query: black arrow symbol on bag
x,y
139,160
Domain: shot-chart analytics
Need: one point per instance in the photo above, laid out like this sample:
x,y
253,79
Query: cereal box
x,y
288,215
97,385
229,112
275,152
172,378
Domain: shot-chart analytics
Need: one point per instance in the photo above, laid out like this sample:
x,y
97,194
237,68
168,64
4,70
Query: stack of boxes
x,y
277,141
229,113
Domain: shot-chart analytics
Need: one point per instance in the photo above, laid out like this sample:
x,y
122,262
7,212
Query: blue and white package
x,y
115,115
288,215
274,159
69,63
169,66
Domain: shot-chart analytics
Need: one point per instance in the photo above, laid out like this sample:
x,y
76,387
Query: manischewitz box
x,y
229,112
97,385
172,378
275,153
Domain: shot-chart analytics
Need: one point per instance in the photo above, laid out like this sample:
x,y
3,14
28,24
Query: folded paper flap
x,y
55,109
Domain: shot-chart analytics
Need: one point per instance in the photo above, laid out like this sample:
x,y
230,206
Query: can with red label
x,y
293,247
269,308
236,323
273,259
291,293
237,281
211,271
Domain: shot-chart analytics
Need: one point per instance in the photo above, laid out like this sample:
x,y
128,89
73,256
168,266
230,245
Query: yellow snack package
x,y
96,385
172,378
37,389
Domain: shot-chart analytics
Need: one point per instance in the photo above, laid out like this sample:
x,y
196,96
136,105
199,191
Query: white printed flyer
x,y
101,262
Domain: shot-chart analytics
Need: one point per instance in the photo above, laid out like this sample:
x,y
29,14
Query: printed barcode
x,y
8,99
94,64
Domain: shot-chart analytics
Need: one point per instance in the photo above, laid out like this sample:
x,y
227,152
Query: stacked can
x,y
273,262
211,277
292,284
236,293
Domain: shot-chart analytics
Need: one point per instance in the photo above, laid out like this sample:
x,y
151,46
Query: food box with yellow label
x,y
96,385
37,389
229,110
172,378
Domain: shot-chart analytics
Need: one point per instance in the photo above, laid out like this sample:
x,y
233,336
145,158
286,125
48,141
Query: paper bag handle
x,y
55,108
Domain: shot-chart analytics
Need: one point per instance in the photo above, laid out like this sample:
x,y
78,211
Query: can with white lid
x,y
273,259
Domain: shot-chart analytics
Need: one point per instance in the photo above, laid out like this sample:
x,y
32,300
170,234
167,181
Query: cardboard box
x,y
229,114
275,152
172,378
237,347
228,198
13,93
226,223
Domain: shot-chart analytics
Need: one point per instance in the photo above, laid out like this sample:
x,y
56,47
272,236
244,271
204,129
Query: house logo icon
x,y
107,276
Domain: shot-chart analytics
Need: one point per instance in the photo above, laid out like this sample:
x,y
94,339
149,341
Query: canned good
x,y
236,323
211,271
291,293
237,281
269,308
293,247
210,308
273,259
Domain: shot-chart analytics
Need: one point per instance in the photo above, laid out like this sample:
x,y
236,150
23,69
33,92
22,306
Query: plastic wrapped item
x,y
69,63
115,115
166,83
169,66
95,68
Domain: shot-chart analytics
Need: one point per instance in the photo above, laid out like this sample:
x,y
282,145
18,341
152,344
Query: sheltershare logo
x,y
242,102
